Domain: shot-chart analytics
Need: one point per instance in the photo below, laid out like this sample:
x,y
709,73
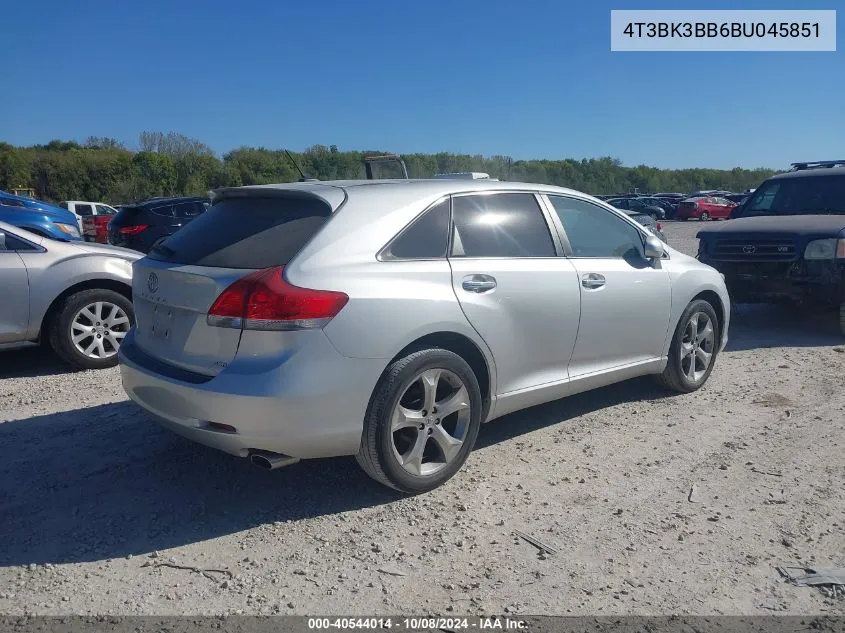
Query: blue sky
x,y
530,79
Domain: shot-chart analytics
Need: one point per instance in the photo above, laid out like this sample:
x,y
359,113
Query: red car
x,y
705,208
95,228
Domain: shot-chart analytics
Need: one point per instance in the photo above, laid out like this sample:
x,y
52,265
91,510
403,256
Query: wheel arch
x,y
467,349
89,284
715,300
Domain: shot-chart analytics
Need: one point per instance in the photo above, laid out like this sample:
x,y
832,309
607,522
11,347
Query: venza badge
x,y
152,282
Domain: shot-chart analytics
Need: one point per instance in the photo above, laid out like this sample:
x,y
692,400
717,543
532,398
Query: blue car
x,y
39,217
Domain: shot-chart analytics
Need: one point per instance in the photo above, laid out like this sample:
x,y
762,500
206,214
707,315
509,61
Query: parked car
x,y
705,208
276,328
38,217
707,193
95,228
788,241
648,222
139,226
87,209
635,204
75,296
668,206
737,198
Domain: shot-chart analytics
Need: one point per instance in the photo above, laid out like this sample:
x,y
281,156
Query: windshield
x,y
798,196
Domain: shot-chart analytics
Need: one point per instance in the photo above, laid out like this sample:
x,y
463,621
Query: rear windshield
x,y
798,196
246,233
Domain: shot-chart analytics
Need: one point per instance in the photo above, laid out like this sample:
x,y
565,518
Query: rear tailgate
x,y
175,286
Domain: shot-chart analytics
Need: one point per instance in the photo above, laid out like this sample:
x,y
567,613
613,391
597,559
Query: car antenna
x,y
302,176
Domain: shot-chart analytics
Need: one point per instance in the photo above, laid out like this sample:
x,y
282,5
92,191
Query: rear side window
x,y
12,243
188,209
83,209
426,237
500,225
167,211
246,233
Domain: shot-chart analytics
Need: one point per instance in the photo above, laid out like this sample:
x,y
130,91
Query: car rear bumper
x,y
311,404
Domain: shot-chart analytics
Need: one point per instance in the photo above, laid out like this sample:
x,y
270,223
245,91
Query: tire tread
x,y
368,452
62,346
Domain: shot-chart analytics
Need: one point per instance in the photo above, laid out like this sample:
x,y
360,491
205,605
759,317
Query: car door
x,y
14,282
515,290
82,211
625,298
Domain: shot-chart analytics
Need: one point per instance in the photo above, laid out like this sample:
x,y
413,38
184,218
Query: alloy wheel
x,y
697,346
98,328
430,422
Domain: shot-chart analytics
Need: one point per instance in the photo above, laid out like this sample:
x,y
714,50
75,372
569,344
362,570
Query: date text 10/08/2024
x,y
419,624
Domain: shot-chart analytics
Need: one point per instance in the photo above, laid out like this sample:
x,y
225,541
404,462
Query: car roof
x,y
816,172
331,190
157,202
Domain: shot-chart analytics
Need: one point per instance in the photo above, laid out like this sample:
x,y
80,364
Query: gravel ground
x,y
101,511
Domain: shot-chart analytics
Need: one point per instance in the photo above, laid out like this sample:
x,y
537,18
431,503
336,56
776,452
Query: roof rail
x,y
816,164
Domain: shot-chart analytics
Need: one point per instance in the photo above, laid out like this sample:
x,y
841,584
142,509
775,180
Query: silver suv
x,y
389,319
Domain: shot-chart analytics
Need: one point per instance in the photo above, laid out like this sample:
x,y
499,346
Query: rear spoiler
x,y
385,158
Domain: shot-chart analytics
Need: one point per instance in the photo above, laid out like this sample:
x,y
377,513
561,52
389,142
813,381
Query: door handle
x,y
593,281
478,283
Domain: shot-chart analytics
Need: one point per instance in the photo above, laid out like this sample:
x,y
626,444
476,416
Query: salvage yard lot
x,y
655,503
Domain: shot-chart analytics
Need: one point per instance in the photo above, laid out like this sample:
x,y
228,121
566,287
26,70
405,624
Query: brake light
x,y
263,300
840,249
133,230
659,228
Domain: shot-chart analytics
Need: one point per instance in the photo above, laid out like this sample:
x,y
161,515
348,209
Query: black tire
x,y
673,377
59,329
376,454
704,216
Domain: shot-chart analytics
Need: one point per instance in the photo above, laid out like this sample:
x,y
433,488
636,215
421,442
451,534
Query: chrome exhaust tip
x,y
268,460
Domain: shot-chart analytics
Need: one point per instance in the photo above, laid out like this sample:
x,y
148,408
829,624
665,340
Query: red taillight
x,y
263,300
659,228
133,230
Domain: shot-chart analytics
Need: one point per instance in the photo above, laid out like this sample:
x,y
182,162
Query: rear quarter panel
x,y
391,303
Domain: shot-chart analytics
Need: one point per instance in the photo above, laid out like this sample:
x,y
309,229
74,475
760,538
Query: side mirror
x,y
653,247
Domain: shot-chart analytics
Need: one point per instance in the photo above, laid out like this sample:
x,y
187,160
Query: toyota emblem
x,y
749,248
152,282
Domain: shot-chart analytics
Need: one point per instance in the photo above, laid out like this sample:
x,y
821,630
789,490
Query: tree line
x,y
172,164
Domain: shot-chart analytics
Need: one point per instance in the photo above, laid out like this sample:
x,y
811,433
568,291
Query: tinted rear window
x,y
246,233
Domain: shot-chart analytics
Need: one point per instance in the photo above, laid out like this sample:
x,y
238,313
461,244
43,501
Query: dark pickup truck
x,y
786,241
